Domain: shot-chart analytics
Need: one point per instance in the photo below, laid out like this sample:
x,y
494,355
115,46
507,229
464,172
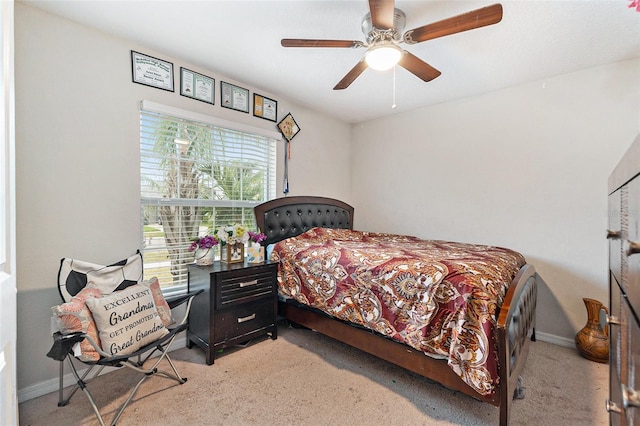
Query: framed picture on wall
x,y
151,71
264,107
197,86
234,97
288,127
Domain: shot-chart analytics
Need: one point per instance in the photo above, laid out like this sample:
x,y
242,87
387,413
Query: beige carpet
x,y
303,378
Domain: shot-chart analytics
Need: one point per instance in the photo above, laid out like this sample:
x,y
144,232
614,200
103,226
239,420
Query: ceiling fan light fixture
x,y
383,57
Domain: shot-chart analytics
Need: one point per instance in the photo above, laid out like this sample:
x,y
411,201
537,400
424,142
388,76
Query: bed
x,y
503,334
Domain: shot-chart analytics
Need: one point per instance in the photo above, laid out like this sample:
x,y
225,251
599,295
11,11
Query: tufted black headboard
x,y
291,216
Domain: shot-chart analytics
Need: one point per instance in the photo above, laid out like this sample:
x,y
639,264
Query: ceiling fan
x,y
383,26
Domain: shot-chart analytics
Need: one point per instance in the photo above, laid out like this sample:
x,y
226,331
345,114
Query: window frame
x,y
217,127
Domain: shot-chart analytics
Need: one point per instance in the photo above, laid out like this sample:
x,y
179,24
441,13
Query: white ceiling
x,y
241,39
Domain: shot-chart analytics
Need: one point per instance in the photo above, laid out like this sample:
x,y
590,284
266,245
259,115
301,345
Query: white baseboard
x,y
52,385
556,340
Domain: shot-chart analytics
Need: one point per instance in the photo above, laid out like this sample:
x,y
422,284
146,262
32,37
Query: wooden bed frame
x,y
290,216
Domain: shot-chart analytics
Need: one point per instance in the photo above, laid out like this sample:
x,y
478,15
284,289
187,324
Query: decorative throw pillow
x,y
74,274
74,316
164,311
127,319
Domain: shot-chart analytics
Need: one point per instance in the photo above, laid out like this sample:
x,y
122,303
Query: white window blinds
x,y
194,177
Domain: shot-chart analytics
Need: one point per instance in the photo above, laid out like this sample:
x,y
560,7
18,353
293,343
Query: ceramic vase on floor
x,y
592,340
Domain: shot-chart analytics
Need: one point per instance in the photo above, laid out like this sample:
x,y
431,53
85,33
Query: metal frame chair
x,y
63,349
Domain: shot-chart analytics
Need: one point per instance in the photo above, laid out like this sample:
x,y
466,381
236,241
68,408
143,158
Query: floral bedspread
x,y
438,297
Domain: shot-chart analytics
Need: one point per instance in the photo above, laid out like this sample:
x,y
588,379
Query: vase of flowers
x,y
255,250
204,249
232,240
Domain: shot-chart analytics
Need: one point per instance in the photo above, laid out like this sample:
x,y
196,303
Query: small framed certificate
x,y
197,86
234,97
264,107
152,71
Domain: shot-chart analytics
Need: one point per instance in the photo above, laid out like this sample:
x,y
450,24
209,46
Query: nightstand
x,y
240,302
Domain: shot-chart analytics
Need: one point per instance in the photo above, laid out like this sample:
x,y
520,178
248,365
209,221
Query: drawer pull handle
x,y
604,319
248,283
630,397
634,247
612,407
611,320
245,319
614,235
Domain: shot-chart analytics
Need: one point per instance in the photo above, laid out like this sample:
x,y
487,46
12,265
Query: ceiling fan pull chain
x,y
393,106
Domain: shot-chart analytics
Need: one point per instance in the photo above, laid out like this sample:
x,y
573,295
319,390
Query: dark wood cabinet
x,y
239,303
624,290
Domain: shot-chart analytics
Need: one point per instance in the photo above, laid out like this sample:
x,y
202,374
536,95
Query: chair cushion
x,y
164,311
74,316
74,274
127,319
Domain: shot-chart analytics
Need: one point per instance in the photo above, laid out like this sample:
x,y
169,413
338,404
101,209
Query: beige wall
x,y
524,167
77,137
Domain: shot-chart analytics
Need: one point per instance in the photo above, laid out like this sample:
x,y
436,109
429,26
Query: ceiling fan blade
x,y
418,67
382,13
299,42
351,75
467,21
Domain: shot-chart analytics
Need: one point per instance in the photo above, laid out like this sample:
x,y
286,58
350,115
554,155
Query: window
x,y
196,175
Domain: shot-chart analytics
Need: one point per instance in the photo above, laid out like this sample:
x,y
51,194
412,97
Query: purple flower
x,y
257,237
206,242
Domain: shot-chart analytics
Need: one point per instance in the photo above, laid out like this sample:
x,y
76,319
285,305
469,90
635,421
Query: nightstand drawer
x,y
243,319
243,289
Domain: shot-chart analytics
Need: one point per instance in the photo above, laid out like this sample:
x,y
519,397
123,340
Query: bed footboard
x,y
515,331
